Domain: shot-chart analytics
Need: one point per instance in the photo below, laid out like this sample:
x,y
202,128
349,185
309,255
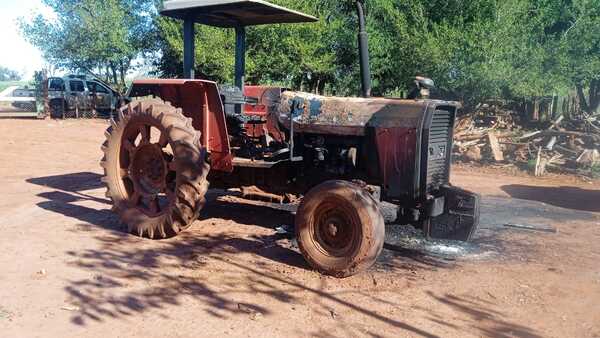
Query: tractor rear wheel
x,y
340,229
155,169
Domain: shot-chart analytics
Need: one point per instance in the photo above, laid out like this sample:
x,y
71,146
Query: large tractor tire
x,y
155,169
340,229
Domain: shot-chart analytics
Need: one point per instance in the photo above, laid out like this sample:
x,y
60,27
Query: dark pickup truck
x,y
80,93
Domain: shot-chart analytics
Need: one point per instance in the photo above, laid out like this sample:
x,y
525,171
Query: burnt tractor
x,y
346,156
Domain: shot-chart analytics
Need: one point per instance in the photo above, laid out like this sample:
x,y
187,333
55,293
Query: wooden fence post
x,y
77,107
45,94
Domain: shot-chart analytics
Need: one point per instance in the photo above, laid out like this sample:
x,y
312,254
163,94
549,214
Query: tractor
x,y
346,157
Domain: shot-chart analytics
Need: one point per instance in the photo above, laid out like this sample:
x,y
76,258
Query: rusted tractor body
x,y
345,155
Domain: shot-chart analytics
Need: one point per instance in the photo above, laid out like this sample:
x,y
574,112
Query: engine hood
x,y
351,116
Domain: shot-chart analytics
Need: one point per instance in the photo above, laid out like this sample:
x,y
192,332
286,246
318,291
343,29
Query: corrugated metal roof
x,y
233,13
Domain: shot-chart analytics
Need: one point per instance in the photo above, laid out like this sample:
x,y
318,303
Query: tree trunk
x,y
122,71
46,98
594,96
582,100
113,69
322,87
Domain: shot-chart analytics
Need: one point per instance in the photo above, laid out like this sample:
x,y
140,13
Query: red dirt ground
x,y
67,268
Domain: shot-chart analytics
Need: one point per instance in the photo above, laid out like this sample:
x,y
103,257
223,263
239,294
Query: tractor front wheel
x,y
155,169
340,229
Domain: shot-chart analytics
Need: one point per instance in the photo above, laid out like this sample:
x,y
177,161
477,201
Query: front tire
x,y
340,229
158,185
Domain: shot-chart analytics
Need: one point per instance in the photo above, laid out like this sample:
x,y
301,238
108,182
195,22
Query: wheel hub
x,y
332,228
334,232
149,169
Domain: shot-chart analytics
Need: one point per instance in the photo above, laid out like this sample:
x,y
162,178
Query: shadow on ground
x,y
564,197
481,315
227,277
72,189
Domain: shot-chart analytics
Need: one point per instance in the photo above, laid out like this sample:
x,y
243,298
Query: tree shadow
x,y
72,189
226,206
171,267
478,315
564,197
75,182
184,268
213,272
69,191
225,274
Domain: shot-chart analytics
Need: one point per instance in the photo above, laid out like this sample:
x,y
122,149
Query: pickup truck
x,y
80,92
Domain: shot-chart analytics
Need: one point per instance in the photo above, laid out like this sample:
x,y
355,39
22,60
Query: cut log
x,y
552,143
589,157
473,154
540,164
544,133
557,122
253,192
495,145
530,135
560,148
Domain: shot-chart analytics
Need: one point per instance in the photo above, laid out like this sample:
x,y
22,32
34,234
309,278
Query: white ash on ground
x,y
408,238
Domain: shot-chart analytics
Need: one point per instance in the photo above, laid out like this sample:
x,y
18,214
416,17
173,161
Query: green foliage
x,y
104,35
7,74
473,49
215,49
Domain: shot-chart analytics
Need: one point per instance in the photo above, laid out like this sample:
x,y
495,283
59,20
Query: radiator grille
x,y
439,149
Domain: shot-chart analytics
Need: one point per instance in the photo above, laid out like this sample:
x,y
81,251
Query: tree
x,y
103,35
473,49
7,74
214,54
576,27
284,54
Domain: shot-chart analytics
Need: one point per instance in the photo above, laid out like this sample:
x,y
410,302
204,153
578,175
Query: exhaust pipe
x,y
363,45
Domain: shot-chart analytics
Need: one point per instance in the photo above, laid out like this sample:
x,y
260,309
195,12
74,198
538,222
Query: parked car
x,y
28,106
80,93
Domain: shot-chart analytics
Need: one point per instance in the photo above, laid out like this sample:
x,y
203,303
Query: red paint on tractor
x,y
255,92
396,148
200,101
267,98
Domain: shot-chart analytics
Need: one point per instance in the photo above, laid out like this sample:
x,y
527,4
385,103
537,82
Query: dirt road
x,y
67,268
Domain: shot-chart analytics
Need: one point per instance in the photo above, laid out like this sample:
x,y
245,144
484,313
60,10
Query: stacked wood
x,y
498,136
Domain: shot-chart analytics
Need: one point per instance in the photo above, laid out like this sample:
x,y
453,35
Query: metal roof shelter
x,y
232,13
236,14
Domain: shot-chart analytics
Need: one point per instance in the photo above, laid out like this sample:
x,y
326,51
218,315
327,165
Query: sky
x,y
16,53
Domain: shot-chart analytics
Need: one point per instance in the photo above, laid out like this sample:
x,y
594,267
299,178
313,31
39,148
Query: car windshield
x,y
96,87
56,84
76,86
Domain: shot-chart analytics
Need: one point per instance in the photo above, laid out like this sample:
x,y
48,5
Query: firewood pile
x,y
497,135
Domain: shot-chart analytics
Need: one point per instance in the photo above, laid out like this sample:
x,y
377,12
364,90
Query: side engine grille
x,y
438,155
